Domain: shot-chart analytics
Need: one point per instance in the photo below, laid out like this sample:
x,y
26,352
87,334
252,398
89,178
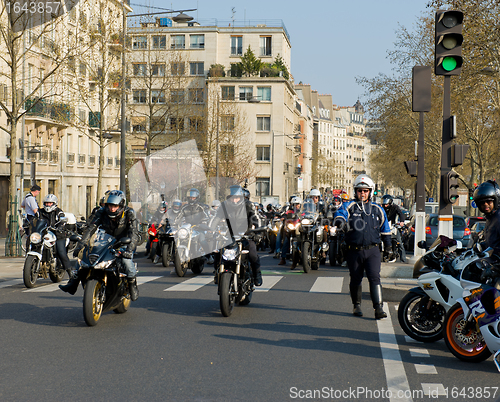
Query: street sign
x,y
473,204
431,199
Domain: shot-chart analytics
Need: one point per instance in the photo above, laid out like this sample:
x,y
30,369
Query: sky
x,y
333,41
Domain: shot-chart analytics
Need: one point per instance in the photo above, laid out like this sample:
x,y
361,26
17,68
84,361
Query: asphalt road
x,y
293,340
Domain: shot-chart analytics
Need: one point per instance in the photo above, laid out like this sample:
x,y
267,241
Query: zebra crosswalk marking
x,y
191,284
327,285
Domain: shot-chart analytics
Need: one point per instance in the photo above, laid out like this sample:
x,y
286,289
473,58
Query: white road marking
x,y
146,279
46,288
419,353
433,390
191,284
327,285
268,281
425,369
393,365
13,282
409,339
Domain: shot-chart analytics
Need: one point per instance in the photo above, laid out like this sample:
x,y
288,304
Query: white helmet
x,y
50,198
296,200
364,181
215,204
314,193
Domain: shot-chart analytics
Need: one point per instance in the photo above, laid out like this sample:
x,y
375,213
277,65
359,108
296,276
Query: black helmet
x,y
236,190
387,199
162,207
193,195
115,197
488,190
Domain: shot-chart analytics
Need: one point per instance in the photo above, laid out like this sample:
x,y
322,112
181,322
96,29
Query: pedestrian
x,y
365,224
487,197
30,205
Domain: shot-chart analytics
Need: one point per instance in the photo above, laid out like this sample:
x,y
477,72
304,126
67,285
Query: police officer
x,y
365,224
315,195
241,216
117,220
487,197
30,204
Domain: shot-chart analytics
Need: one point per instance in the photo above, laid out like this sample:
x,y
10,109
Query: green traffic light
x,y
449,63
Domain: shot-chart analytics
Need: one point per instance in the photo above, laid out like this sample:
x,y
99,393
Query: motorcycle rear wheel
x,y
92,306
30,271
123,308
57,275
197,265
417,321
166,255
226,293
180,267
306,256
469,347
152,252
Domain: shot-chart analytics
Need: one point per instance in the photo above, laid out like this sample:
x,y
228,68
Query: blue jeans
x,y
278,243
128,264
286,247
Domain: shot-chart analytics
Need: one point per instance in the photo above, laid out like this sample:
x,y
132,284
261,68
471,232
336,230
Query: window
x,y
196,95
236,45
196,68
177,96
139,69
157,123
264,93
246,93
94,119
195,124
157,96
177,123
139,124
264,153
263,123
139,96
177,68
227,152
158,70
262,186
177,42
227,123
139,42
227,93
265,46
159,42
197,41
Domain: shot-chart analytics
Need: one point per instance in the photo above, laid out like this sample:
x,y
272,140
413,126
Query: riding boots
x,y
72,286
378,304
356,292
133,289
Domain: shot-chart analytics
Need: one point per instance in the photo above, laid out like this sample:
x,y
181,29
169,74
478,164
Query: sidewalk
x,y
10,267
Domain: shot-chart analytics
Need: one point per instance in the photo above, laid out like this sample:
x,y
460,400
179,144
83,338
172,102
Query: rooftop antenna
x,y
233,11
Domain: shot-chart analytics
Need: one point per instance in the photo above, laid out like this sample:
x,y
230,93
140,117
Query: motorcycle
x,y
188,251
153,241
397,244
273,229
308,246
422,310
102,276
166,243
234,276
41,261
472,325
336,246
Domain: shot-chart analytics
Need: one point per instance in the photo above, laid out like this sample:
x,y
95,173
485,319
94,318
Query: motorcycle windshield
x,y
100,241
308,209
39,225
235,223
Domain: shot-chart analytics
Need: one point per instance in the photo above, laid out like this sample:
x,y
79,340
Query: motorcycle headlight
x,y
230,254
182,233
35,238
275,229
291,226
333,230
306,221
103,264
151,233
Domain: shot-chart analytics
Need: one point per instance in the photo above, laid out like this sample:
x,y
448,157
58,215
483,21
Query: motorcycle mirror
x,y
75,238
422,244
329,215
477,248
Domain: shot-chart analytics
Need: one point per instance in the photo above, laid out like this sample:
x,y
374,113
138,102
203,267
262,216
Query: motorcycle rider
x,y
172,213
215,205
117,220
53,214
393,212
315,195
194,213
156,219
240,216
487,197
365,224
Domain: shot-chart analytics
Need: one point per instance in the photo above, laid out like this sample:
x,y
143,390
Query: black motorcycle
x,y
166,244
307,245
234,275
41,261
103,277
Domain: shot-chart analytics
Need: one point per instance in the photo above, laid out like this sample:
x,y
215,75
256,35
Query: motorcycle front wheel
x,y
469,345
180,267
166,254
30,271
92,302
306,256
197,265
421,318
227,293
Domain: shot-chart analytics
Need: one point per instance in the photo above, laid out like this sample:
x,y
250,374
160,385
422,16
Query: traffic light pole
x,y
445,209
420,193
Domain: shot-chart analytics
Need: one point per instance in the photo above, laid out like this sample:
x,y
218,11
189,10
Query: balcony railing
x,y
43,108
54,157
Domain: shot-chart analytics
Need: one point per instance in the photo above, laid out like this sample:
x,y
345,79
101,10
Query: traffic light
x,y
451,187
471,194
375,192
411,168
448,51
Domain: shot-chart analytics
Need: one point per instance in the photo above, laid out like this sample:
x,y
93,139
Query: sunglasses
x,y
362,190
